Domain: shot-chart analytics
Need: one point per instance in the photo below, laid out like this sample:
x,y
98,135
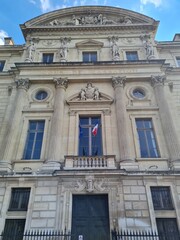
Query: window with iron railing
x,y
161,197
19,199
14,229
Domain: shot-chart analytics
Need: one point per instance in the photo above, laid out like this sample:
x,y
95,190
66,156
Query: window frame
x,y
49,55
163,155
91,123
131,52
178,61
89,56
2,65
35,133
153,139
166,233
22,142
13,233
162,200
19,195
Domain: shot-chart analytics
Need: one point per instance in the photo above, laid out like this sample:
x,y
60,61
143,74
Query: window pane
x,y
34,140
2,63
19,199
14,229
48,57
146,137
161,197
89,56
89,145
131,56
167,229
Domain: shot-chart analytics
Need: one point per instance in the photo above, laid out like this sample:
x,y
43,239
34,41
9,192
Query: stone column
x,y
56,132
13,135
121,114
166,119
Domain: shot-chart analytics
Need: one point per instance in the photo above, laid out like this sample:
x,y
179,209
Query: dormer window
x,y
89,56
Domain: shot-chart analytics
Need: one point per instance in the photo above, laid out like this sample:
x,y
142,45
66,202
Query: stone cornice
x,y
106,28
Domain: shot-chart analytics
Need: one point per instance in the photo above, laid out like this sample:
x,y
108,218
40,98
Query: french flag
x,y
95,130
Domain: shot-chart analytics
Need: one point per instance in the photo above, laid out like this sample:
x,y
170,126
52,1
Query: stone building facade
x,y
89,125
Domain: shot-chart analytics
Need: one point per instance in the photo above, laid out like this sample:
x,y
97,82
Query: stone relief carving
x,y
63,50
158,80
30,52
61,82
91,19
89,93
23,83
114,48
147,42
118,81
50,42
90,185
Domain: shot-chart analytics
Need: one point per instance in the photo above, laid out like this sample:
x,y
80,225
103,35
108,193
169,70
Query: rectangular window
x,y
34,140
167,229
131,56
146,137
14,229
90,139
178,61
2,63
19,199
89,56
161,197
48,57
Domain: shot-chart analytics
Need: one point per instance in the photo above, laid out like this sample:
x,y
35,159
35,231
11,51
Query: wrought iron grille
x,y
134,235
38,235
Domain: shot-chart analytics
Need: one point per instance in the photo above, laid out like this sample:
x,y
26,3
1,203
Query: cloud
x,y
3,34
32,1
156,3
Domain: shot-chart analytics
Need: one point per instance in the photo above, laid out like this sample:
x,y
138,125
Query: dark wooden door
x,y
90,217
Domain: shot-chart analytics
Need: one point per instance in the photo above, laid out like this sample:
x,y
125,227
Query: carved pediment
x,y
89,94
88,16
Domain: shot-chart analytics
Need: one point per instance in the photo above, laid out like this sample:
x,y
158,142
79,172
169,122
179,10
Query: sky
x,y
15,12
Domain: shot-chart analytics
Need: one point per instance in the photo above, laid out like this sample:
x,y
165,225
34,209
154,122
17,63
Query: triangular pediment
x,y
90,94
89,43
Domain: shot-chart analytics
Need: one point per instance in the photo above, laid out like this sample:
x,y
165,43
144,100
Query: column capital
x,y
118,81
61,82
158,80
22,83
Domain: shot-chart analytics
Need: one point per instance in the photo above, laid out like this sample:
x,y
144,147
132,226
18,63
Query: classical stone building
x,y
89,125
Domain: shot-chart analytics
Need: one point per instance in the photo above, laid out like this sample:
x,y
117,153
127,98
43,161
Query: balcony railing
x,y
91,162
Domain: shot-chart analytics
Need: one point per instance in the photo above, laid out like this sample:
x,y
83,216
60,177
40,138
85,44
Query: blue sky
x,y
15,12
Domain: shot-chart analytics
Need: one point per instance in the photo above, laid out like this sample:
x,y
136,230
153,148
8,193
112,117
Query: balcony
x,y
90,162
